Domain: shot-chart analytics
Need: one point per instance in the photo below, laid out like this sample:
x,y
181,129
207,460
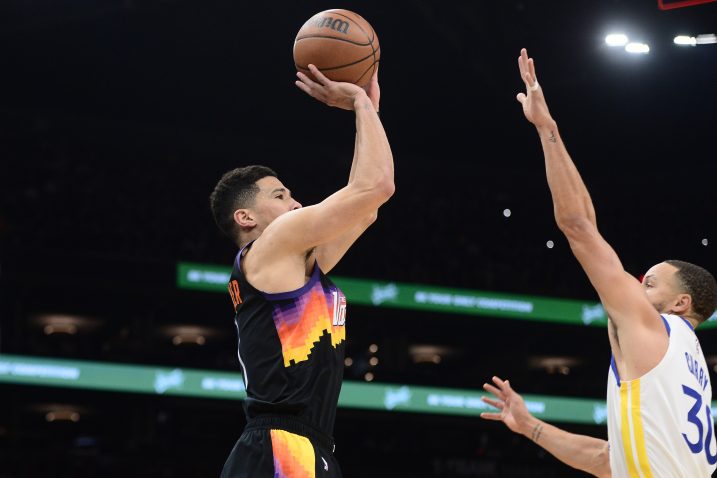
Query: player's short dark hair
x,y
700,284
235,190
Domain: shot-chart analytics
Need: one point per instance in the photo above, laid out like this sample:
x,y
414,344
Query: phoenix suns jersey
x,y
660,425
291,347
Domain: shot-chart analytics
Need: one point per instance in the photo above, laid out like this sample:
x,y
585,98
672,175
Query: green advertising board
x,y
111,377
430,298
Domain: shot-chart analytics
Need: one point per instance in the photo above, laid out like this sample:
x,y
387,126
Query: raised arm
x,y
329,254
642,336
578,451
298,231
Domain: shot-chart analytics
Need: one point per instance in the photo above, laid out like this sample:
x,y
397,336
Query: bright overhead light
x,y
706,39
685,40
616,39
635,47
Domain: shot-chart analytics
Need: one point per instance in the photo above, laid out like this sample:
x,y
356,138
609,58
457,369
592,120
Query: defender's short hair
x,y
700,284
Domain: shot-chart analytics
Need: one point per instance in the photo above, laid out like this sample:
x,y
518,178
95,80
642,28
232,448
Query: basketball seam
x,y
372,64
374,53
332,38
340,66
365,71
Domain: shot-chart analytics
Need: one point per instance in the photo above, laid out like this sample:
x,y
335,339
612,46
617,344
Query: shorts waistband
x,y
291,425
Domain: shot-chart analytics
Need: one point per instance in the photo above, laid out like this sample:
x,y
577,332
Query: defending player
x,y
659,393
290,317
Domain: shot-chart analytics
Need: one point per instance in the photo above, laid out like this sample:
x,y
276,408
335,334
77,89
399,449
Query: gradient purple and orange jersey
x,y
291,347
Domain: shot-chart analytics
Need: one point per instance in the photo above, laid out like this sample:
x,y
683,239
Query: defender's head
x,y
681,288
246,200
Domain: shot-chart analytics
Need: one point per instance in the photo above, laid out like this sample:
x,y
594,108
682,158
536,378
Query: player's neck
x,y
693,322
247,238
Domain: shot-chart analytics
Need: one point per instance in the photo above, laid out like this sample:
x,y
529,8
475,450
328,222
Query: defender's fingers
x,y
521,66
524,61
492,416
521,97
529,82
491,389
531,68
493,403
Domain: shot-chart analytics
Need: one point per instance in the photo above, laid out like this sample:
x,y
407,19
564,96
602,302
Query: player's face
x,y
272,200
661,286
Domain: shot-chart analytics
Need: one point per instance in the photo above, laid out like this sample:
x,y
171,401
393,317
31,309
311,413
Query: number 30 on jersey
x,y
703,442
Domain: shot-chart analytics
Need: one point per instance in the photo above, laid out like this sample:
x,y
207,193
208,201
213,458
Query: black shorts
x,y
281,447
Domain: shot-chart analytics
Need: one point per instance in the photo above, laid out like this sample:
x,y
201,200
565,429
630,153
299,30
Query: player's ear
x,y
682,304
244,218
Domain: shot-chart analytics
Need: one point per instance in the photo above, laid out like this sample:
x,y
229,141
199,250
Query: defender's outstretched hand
x,y
333,93
533,101
513,411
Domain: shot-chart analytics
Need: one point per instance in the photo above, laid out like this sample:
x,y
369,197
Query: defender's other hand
x,y
513,411
333,93
534,106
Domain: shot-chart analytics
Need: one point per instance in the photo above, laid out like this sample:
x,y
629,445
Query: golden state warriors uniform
x,y
291,350
660,425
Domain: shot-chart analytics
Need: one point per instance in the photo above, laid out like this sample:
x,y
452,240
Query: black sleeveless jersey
x,y
291,347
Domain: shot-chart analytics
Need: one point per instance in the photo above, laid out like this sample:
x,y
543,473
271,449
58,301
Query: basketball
x,y
341,44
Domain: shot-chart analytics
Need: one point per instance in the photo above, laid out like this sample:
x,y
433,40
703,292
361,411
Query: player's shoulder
x,y
270,257
677,323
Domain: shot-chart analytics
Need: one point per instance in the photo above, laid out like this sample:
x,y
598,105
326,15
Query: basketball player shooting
x,y
290,317
659,394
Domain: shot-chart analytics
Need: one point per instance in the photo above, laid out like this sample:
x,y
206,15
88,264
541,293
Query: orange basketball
x,y
341,44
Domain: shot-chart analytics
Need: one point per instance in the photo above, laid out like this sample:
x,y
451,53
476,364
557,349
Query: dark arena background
x,y
117,345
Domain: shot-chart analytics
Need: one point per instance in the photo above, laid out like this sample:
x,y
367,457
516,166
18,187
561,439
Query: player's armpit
x,y
329,254
641,332
622,294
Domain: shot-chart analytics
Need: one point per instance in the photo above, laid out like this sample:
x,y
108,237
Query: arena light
x,y
637,48
187,334
62,416
685,40
428,353
63,323
706,39
616,39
